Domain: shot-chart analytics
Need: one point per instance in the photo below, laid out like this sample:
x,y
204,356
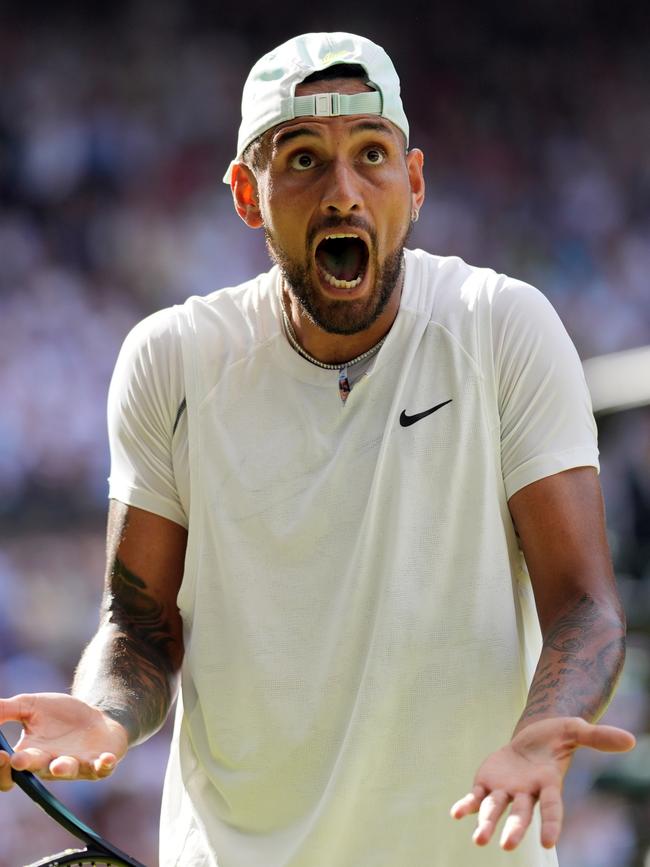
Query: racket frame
x,y
98,847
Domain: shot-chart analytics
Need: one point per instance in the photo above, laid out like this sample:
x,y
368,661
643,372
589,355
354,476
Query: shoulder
x,y
151,350
235,311
227,326
156,330
149,366
461,288
246,306
474,304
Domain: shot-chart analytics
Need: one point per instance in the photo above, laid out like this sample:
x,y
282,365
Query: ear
x,y
415,164
244,194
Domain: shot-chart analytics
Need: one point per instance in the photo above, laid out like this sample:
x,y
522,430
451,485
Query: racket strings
x,y
70,858
84,862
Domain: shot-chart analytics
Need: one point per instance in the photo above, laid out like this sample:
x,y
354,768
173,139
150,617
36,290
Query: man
x,y
323,485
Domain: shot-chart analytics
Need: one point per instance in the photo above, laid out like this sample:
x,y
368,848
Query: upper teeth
x,y
327,237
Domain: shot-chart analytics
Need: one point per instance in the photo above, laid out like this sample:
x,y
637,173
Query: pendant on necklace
x,y
344,383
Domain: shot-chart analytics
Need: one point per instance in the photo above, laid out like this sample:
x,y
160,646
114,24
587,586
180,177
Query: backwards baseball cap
x,y
269,92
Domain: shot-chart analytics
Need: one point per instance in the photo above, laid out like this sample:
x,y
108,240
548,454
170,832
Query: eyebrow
x,y
291,133
372,126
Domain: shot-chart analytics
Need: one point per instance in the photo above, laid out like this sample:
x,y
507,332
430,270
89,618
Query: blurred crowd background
x,y
117,122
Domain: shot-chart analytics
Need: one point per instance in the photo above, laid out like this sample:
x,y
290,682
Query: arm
x,y
126,679
560,521
561,524
130,667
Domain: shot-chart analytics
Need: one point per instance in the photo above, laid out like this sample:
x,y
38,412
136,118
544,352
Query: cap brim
x,y
227,178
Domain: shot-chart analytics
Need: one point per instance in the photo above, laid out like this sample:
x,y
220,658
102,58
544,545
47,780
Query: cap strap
x,y
332,104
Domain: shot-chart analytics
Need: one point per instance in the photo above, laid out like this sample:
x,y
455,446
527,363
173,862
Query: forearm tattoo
x,y
138,667
581,661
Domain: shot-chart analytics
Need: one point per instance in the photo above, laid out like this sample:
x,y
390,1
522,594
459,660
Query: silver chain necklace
x,y
293,340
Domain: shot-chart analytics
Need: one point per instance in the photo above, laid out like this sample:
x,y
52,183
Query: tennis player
x,y
355,512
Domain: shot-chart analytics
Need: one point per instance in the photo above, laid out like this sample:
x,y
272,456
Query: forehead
x,y
314,126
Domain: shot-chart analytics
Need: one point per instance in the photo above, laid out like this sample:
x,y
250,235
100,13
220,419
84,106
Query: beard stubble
x,y
332,316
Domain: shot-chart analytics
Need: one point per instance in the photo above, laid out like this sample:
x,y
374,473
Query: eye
x,y
302,161
374,156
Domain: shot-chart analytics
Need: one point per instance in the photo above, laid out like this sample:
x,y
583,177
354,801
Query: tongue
x,y
343,261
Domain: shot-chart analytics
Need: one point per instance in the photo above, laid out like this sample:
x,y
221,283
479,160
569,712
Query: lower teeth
x,y
340,284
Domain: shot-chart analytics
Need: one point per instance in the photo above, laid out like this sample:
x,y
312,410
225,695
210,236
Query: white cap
x,y
268,98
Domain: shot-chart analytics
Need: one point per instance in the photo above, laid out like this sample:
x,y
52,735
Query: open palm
x,y
529,769
62,738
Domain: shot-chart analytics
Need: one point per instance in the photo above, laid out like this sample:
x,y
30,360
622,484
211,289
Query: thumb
x,y
609,739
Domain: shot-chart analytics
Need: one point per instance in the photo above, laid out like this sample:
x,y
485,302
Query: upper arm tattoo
x,y
131,607
143,656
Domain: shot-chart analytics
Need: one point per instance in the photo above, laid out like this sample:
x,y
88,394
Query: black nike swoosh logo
x,y
406,420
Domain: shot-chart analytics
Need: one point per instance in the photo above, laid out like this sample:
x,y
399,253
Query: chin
x,y
342,309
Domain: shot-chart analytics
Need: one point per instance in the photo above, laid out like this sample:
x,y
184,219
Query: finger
x,y
30,759
552,811
489,814
609,739
64,768
105,764
75,768
469,804
521,814
6,782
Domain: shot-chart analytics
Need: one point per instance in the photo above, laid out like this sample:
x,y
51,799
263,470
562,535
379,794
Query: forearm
x,y
129,669
115,676
581,660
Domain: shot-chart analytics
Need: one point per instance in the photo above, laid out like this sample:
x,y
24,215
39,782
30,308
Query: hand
x,y
63,738
531,768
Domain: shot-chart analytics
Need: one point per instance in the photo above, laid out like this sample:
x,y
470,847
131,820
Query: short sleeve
x,y
144,399
547,423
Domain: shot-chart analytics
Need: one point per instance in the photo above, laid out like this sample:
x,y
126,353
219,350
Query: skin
x,y
357,177
139,623
319,177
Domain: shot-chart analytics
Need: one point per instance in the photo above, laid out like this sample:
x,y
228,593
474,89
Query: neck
x,y
338,348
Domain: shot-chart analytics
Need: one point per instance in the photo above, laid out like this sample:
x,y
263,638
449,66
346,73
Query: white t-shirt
x,y
360,630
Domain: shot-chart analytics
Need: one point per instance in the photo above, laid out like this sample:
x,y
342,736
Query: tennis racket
x,y
98,851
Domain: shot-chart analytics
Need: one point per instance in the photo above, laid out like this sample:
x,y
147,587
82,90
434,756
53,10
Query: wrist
x,y
528,719
120,722
526,722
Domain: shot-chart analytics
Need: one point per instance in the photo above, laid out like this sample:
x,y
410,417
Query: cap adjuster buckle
x,y
327,104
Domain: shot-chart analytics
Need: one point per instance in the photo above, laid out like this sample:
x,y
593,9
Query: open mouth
x,y
342,260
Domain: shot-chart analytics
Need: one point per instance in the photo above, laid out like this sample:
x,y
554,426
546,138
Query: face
x,y
336,198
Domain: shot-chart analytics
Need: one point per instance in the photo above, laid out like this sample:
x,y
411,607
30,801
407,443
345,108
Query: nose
x,y
342,194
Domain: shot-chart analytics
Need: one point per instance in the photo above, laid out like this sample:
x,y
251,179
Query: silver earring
x,y
415,215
